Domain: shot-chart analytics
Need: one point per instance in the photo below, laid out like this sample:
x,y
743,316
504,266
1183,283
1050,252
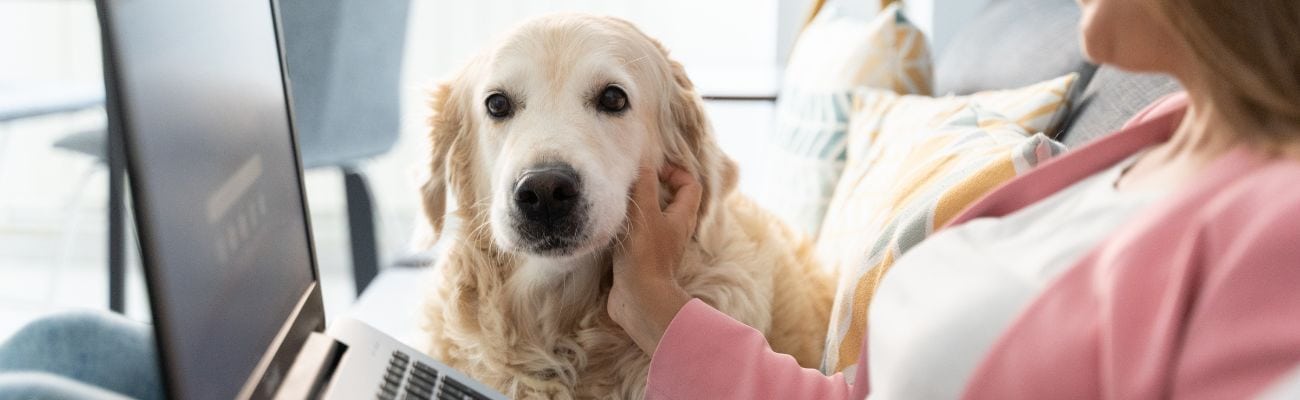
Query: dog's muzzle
x,y
549,206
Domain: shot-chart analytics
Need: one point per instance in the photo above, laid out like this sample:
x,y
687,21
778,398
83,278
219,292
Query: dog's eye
x,y
612,99
498,105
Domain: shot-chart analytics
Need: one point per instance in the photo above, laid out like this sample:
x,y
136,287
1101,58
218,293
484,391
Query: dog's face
x,y
563,121
551,125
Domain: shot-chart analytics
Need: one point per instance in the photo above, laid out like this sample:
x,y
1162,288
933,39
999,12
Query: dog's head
x,y
540,138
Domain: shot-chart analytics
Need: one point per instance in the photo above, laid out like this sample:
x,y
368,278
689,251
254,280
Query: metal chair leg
x,y
361,228
116,156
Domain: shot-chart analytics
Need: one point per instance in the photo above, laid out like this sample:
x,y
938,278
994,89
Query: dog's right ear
x,y
445,124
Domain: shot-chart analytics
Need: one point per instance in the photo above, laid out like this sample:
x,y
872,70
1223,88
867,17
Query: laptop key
x,y
418,392
425,377
394,370
451,392
409,396
389,387
398,354
449,384
425,367
415,383
446,395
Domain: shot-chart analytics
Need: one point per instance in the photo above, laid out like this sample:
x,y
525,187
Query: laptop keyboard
x,y
406,379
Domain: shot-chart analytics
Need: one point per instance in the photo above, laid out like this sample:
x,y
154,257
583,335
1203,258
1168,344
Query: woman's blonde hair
x,y
1250,52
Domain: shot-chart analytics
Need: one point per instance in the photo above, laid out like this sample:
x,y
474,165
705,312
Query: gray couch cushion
x,y
1111,98
1012,43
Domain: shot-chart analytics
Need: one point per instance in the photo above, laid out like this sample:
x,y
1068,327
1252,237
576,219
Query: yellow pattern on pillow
x,y
835,54
914,163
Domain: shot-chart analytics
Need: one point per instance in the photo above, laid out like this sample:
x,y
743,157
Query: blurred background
x,y
54,181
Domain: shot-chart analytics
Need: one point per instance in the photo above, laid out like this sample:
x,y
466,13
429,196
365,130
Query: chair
x,y
344,60
23,100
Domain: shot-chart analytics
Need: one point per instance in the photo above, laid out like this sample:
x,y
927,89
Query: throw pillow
x,y
837,52
911,183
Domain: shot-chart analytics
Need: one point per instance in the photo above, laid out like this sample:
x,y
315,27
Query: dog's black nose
x,y
547,194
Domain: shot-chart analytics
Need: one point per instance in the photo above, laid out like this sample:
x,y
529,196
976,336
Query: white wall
x,y
49,40
445,33
59,40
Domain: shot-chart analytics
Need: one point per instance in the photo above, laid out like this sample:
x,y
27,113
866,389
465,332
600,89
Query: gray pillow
x,y
1012,43
1112,98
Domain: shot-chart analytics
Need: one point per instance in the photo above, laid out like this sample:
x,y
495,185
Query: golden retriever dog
x,y
538,142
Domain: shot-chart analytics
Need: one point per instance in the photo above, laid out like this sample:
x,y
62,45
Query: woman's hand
x,y
645,296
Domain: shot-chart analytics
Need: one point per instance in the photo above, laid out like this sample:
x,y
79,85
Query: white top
x,y
944,303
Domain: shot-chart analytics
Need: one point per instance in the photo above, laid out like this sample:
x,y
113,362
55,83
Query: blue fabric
x,y
46,386
79,355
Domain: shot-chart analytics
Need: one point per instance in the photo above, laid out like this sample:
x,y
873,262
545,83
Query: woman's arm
x,y
697,352
1243,332
645,295
705,354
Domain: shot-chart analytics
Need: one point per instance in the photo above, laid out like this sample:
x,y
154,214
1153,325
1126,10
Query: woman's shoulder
x,y
1260,208
1273,185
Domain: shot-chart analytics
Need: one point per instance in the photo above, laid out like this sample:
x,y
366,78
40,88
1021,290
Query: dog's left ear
x,y
692,145
446,126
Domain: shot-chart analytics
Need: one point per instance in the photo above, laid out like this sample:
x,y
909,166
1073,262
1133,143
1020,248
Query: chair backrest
x,y
345,61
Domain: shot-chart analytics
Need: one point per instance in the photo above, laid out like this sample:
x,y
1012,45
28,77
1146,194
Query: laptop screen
x,y
196,88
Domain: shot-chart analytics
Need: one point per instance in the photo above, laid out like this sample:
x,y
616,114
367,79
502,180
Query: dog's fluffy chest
x,y
532,336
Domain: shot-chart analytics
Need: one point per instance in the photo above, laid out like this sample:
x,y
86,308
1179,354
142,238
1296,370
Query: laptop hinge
x,y
312,368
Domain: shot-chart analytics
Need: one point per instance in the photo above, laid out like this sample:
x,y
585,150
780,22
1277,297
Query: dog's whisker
x,y
638,59
481,228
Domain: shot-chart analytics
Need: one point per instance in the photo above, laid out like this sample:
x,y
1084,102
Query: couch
x,y
1011,43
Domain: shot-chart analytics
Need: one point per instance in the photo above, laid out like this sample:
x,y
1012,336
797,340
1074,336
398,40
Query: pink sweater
x,y
1198,299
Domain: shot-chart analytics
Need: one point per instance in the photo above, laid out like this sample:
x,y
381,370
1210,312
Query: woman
x,y
1179,275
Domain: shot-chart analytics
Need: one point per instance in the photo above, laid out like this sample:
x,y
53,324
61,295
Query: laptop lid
x,y
197,94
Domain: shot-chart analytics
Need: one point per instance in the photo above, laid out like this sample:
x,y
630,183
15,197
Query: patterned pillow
x,y
1040,107
922,161
834,54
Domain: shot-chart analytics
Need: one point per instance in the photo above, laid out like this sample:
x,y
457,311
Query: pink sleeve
x,y
705,354
1244,331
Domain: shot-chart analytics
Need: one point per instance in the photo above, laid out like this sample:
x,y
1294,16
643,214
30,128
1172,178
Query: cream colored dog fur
x,y
532,322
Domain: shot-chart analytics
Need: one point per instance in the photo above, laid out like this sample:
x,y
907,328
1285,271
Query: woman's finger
x,y
675,177
686,197
646,189
666,170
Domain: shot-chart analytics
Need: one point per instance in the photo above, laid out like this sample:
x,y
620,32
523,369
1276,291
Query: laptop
x,y
198,93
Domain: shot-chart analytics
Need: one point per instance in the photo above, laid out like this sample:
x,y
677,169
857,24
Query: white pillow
x,y
836,53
